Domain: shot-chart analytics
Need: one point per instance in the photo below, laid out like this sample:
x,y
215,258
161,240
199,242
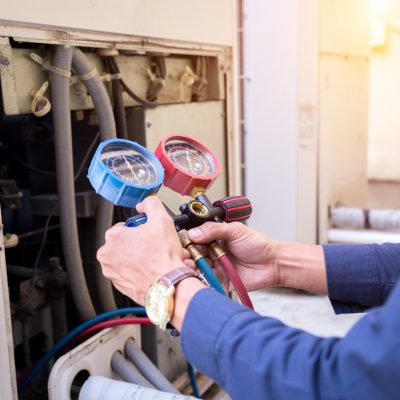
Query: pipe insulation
x,y
65,181
378,219
127,371
147,368
103,107
361,236
100,388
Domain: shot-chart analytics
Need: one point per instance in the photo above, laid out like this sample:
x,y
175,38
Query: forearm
x,y
301,266
259,357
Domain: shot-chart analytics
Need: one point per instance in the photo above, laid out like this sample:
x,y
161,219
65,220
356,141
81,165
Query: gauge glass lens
x,y
130,164
191,158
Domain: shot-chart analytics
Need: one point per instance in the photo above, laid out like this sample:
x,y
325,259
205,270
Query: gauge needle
x,y
130,167
188,158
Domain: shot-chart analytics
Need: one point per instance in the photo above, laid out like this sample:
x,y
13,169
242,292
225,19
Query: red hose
x,y
237,283
112,323
95,328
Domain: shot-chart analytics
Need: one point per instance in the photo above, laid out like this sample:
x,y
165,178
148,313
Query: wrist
x,y
300,266
184,292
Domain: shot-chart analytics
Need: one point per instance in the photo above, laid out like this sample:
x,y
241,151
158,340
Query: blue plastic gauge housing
x,y
125,172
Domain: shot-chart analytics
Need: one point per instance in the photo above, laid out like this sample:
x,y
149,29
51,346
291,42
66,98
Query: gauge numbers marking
x,y
190,159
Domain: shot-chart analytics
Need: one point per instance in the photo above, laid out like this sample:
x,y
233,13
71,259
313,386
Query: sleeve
x,y
254,357
360,276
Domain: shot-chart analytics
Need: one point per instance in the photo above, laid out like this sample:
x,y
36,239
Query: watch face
x,y
158,304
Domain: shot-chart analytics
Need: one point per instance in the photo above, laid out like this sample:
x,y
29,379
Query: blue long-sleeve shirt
x,y
255,357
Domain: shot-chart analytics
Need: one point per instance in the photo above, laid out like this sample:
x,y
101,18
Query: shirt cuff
x,y
352,276
206,316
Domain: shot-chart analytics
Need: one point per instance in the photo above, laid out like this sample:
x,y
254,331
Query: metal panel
x,y
271,109
204,21
307,156
345,27
343,105
93,356
384,121
343,140
204,121
7,78
21,75
7,367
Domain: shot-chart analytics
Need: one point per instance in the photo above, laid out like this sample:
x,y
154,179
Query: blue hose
x,y
193,381
205,268
71,335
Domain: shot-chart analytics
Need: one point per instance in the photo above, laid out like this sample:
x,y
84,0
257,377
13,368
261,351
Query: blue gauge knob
x,y
125,172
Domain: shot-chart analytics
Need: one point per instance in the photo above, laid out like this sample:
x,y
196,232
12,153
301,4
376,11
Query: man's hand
x,y
133,258
261,261
253,253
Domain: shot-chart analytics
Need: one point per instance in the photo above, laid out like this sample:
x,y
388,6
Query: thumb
x,y
210,231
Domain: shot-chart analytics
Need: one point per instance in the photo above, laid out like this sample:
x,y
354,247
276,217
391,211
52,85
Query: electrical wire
x,y
128,90
237,283
28,166
35,232
41,363
42,244
86,156
53,210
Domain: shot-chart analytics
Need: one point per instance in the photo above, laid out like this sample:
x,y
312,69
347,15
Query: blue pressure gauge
x,y
125,172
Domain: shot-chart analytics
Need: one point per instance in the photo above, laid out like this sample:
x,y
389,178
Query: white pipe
x,y
362,236
375,218
99,388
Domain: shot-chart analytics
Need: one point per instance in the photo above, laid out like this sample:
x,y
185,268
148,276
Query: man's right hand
x,y
253,253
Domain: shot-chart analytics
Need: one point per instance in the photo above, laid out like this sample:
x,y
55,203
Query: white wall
x,y
384,104
270,53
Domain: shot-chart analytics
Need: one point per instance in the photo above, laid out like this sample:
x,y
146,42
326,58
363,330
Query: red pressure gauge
x,y
188,163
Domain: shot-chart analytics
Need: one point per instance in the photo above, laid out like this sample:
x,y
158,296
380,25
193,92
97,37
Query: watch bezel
x,y
167,298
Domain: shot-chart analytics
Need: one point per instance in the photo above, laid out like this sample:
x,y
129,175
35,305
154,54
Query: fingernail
x,y
194,233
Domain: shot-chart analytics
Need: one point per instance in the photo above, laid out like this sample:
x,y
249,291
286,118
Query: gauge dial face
x,y
130,164
191,158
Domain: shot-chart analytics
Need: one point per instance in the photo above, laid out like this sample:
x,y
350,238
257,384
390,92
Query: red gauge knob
x,y
237,208
188,163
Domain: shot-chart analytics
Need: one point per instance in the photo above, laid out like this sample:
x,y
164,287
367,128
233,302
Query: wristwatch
x,y
159,302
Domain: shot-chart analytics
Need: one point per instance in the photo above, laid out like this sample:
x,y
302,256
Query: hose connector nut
x,y
184,238
216,249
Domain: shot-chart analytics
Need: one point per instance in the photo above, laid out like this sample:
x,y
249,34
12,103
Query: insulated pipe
x,y
361,236
65,180
127,371
351,217
105,116
147,368
98,387
118,102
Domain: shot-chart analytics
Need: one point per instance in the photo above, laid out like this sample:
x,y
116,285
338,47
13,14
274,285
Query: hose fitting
x,y
216,249
189,245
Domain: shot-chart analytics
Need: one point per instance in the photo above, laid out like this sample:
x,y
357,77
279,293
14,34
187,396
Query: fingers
x,y
190,263
210,231
185,254
154,209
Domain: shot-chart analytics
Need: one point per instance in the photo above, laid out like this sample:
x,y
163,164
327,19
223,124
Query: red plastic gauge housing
x,y
187,163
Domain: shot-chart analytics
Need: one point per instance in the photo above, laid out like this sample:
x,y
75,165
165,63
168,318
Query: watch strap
x,y
174,276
